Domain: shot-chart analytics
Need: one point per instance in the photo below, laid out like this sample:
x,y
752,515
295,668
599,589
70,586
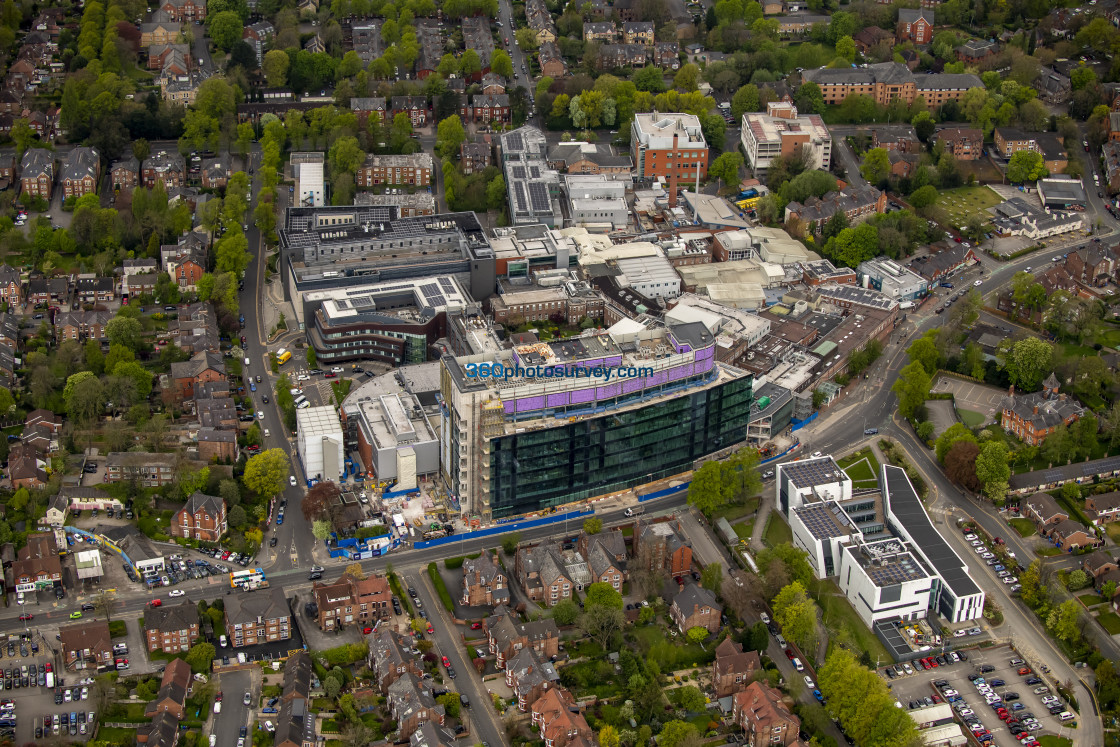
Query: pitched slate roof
x,y
693,596
171,617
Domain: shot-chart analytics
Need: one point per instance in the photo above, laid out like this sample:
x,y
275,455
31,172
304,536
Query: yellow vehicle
x,y
283,356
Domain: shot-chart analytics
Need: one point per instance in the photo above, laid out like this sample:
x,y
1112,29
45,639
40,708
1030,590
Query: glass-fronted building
x,y
578,460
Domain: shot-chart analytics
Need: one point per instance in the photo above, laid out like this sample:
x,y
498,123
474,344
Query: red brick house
x,y
202,367
11,286
696,607
1069,535
202,518
507,636
764,717
81,325
491,108
184,10
1103,508
170,169
542,573
350,601
86,645
217,445
416,107
1033,417
173,690
551,61
36,173
1099,564
80,172
1043,510
37,565
125,173
484,581
914,25
965,143
660,545
389,658
171,628
528,677
558,721
411,702
733,668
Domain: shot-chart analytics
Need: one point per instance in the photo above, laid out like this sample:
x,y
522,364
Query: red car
x,y
789,654
26,616
218,697
476,626
367,630
48,666
430,629
446,662
1024,671
156,602
331,376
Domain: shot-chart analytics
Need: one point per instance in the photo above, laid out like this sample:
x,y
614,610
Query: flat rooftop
x,y
888,562
825,520
419,297
809,473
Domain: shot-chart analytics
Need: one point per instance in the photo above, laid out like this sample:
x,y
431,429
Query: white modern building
x,y
779,132
653,277
596,201
891,279
882,549
319,443
311,185
88,564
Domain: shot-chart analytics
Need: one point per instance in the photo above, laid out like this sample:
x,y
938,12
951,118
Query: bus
x,y
283,356
248,580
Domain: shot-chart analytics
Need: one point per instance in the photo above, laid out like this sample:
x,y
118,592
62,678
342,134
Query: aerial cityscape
x,y
619,373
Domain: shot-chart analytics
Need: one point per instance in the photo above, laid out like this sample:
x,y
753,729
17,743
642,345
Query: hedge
x,y
441,588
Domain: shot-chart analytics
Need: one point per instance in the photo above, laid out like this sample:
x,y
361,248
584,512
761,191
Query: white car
x,y
987,555
978,283
260,414
970,537
980,550
966,712
977,543
303,377
292,480
816,454
1009,580
1002,574
809,682
336,369
176,593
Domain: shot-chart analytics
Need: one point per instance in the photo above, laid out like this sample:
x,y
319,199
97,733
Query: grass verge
x,y
971,418
1025,527
777,531
1090,600
744,529
844,625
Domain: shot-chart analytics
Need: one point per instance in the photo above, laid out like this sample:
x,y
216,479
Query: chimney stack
x,y
673,174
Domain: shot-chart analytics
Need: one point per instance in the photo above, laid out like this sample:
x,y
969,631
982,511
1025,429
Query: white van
x,y
300,399
781,641
798,665
1065,716
247,363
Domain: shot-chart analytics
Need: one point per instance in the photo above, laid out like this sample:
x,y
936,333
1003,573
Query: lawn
x,y
1113,530
116,735
842,622
1051,740
1090,600
736,511
777,531
744,529
1047,551
971,418
1110,621
862,467
959,204
1025,527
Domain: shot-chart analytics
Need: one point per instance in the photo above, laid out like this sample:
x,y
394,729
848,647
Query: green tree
x,y
677,733
602,622
687,78
1028,361
697,634
689,697
592,525
510,543
501,64
796,613
321,529
706,492
1077,580
84,397
1063,621
225,29
846,48
912,388
745,100
726,167
1033,591
993,463
450,703
266,474
876,165
923,197
862,703
1026,166
809,98
124,331
449,136
346,155
712,577
608,736
953,434
565,612
601,593
201,656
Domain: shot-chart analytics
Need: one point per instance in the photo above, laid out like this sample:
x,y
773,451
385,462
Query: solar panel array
x,y
907,508
812,472
538,195
535,172
522,204
432,294
447,285
896,571
518,171
514,142
822,522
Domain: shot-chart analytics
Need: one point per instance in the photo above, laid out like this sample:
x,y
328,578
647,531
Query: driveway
x,y
235,714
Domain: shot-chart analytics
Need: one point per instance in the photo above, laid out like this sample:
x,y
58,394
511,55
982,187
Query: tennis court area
x,y
971,396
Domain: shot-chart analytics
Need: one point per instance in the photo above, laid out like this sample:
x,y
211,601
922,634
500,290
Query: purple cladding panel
x,y
682,372
591,363
556,400
608,391
510,406
580,396
704,354
659,378
530,404
614,360
517,359
629,386
705,366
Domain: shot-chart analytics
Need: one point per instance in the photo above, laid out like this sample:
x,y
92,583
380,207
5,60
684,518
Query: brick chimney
x,y
1036,409
673,174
